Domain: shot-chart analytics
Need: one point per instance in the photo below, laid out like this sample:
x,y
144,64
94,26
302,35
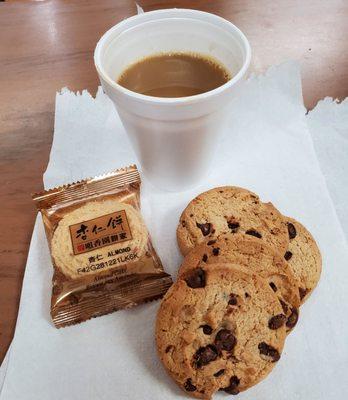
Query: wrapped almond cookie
x,y
101,251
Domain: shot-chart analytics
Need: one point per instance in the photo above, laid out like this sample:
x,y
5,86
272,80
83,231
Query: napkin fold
x,y
267,149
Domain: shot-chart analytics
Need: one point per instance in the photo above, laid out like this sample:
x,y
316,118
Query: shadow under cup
x,y
173,138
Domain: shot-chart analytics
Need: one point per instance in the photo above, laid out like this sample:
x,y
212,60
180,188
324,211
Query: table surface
x,y
46,45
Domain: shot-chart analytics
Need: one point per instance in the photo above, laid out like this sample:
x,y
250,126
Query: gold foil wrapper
x,y
101,250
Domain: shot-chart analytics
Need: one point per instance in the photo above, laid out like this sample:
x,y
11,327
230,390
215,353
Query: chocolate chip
x,y
285,307
189,386
291,230
233,226
269,351
216,251
246,294
183,223
233,300
168,348
292,318
221,191
207,330
273,286
196,278
219,373
205,258
225,340
287,255
205,228
205,355
252,232
211,242
277,321
256,200
232,388
233,358
303,292
191,215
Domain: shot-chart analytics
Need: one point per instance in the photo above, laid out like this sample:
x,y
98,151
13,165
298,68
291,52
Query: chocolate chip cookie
x,y
230,209
258,258
304,257
219,329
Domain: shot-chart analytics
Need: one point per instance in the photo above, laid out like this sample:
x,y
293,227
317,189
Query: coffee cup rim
x,y
174,13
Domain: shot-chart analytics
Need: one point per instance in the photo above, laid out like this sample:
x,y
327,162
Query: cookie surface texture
x,y
230,209
303,256
257,257
220,329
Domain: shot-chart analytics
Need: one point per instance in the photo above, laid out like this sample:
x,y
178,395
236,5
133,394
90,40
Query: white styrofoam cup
x,y
173,138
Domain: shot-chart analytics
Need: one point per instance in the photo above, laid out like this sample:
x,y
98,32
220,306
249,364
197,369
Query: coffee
x,y
174,75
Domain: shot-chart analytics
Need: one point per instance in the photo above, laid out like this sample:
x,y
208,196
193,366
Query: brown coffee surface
x,y
174,75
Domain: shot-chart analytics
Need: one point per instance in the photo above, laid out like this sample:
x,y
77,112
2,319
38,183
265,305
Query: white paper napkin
x,y
3,368
267,149
328,125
